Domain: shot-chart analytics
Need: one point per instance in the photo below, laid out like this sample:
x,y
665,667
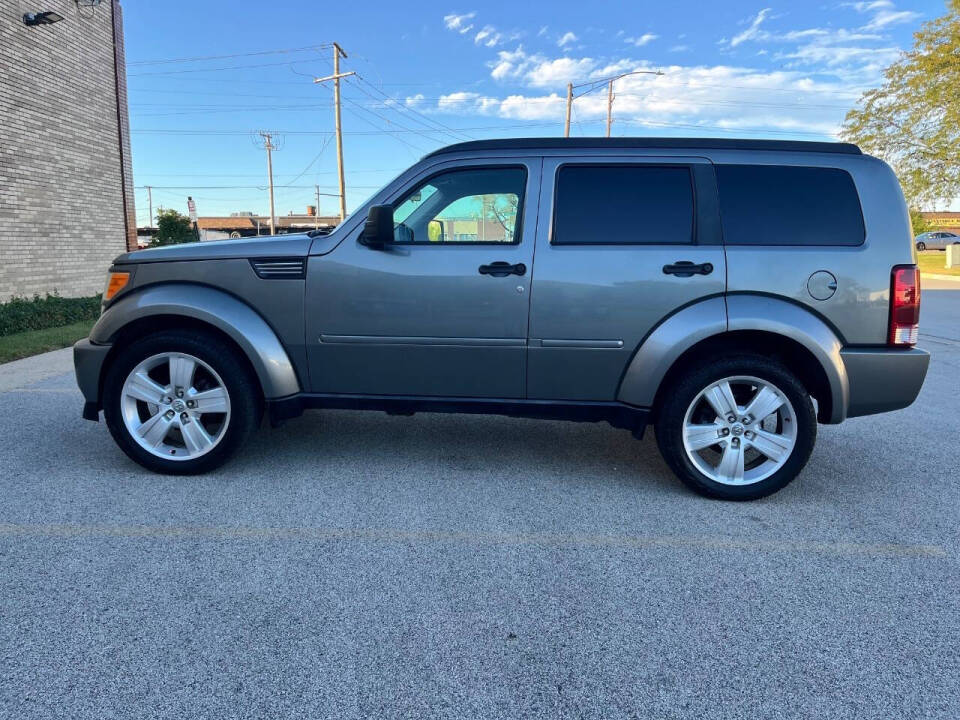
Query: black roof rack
x,y
642,143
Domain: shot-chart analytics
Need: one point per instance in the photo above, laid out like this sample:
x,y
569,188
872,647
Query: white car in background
x,y
936,240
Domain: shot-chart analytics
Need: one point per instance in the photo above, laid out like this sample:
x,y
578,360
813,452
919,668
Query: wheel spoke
x,y
698,437
155,430
211,401
775,447
181,371
730,468
195,437
765,402
720,397
142,387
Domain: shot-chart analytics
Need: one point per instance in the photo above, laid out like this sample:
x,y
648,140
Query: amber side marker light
x,y
116,281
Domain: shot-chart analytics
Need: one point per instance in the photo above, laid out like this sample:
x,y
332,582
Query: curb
x,y
935,276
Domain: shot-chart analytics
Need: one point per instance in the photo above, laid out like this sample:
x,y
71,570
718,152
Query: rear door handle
x,y
685,268
502,269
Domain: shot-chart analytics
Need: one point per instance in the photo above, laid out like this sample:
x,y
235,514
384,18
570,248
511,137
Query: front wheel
x,y
739,428
921,246
180,402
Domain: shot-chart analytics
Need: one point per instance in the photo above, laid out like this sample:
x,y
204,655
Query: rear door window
x,y
787,205
623,205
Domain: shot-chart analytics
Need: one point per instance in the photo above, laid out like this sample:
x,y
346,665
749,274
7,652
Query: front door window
x,y
480,205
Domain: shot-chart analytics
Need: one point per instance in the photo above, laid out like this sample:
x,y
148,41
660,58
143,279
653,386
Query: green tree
x,y
173,228
920,225
913,120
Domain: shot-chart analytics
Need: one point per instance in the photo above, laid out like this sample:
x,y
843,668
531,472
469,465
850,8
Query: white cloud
x,y
890,17
753,30
833,56
680,48
641,40
459,23
488,36
869,6
566,39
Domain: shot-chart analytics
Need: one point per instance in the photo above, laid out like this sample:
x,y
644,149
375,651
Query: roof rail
x,y
644,143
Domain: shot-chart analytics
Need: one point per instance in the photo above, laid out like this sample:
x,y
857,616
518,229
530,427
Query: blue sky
x,y
431,73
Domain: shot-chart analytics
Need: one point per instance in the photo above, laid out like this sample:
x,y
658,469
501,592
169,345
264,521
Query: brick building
x,y
66,184
949,221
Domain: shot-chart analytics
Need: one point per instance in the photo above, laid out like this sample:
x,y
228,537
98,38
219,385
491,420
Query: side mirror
x,y
378,229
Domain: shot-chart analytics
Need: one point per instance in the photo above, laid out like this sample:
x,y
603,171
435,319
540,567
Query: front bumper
x,y
88,359
883,379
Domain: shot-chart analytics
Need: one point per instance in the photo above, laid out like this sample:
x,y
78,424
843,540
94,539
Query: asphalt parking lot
x,y
356,565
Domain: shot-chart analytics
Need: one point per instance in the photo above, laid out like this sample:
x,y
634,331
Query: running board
x,y
619,415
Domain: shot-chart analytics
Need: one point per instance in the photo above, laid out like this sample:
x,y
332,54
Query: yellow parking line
x,y
242,532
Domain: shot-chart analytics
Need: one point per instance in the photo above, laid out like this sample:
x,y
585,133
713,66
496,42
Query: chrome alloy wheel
x,y
175,406
739,430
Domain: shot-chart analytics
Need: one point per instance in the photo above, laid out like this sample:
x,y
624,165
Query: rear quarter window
x,y
786,205
623,205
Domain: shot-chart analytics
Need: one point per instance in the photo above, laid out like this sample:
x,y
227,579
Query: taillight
x,y
904,305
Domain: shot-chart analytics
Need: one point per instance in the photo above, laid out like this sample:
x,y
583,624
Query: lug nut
x,y
748,435
169,414
745,420
179,393
735,442
191,403
731,418
184,417
725,432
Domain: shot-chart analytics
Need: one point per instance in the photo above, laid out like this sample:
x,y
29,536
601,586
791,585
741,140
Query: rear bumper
x,y
88,359
883,379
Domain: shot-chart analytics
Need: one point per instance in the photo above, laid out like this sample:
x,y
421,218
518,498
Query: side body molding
x,y
681,331
668,341
238,320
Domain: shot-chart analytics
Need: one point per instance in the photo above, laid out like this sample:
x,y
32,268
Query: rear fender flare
x,y
714,316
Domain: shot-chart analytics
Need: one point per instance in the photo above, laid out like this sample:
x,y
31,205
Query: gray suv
x,y
733,293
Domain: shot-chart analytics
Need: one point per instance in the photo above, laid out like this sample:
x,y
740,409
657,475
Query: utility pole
x,y
609,105
316,210
337,53
268,145
150,204
593,85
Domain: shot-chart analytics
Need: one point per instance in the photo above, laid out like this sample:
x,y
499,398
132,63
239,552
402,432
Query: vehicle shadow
x,y
465,444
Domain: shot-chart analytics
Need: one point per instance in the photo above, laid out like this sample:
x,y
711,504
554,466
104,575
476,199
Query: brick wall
x,y
63,209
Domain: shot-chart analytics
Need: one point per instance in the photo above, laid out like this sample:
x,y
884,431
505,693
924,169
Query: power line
x,y
201,58
425,120
216,69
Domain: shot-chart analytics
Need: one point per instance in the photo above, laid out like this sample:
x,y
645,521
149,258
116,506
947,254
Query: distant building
x,y
238,225
66,183
943,220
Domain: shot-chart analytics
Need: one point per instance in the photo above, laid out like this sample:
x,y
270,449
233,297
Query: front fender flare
x,y
239,321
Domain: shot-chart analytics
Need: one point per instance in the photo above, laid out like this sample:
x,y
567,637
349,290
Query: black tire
x,y
673,409
246,406
921,246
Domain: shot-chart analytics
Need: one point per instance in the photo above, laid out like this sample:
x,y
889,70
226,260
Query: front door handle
x,y
685,268
502,269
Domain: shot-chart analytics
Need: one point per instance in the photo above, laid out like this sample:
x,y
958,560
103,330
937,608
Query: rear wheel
x,y
739,428
180,402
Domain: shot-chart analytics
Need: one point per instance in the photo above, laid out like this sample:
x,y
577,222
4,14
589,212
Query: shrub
x,y
40,313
